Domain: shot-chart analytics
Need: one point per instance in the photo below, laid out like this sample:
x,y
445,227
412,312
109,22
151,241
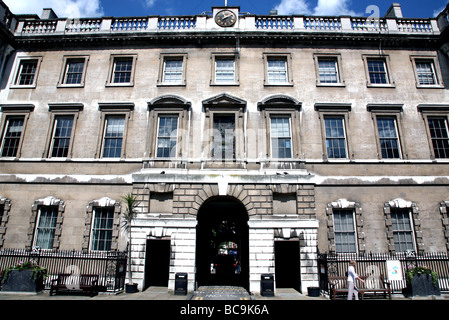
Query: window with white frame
x,y
168,121
335,137
113,136
345,231
167,136
74,71
328,70
403,224
427,71
345,227
403,233
378,71
439,134
62,134
388,137
223,136
280,115
27,71
173,70
281,139
12,135
102,228
121,70
45,227
277,70
223,129
102,225
224,70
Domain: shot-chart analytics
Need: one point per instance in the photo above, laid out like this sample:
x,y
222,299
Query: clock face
x,y
225,18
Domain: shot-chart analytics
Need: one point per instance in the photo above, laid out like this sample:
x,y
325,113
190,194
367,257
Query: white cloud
x,y
287,7
333,8
63,8
149,3
323,7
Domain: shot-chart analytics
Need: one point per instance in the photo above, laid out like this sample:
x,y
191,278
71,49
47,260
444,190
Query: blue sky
x,y
117,8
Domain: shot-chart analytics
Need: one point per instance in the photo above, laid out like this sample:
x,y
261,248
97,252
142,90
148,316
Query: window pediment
x,y
168,100
224,99
104,202
279,101
333,107
49,201
116,106
400,203
16,108
435,108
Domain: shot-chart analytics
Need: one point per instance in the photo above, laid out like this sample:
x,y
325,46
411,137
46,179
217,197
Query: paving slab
x,y
221,293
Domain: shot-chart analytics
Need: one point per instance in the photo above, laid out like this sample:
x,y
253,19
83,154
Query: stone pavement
x,y
203,293
161,293
221,293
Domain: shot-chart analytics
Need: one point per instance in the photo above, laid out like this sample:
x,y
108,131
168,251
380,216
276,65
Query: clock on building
x,y
225,18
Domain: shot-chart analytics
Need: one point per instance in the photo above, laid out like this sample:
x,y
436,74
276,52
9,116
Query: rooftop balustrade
x,y
7,18
245,23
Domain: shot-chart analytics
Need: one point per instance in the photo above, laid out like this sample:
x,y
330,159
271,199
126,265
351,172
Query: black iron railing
x,y
109,265
336,265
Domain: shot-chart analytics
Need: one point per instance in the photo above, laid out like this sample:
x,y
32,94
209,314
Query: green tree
x,y
128,217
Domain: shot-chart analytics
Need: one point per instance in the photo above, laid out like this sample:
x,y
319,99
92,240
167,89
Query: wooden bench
x,y
372,285
75,283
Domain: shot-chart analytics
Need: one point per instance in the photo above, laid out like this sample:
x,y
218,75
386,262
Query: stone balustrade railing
x,y
8,19
254,23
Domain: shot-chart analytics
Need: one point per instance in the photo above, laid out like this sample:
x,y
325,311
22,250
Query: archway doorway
x,y
222,247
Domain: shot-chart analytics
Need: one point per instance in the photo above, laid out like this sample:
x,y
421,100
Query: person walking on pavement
x,y
352,289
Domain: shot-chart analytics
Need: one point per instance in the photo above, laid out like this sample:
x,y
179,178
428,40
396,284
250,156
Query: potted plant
x,y
24,277
422,281
129,215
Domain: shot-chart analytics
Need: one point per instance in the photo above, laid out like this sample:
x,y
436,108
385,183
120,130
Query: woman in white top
x,y
352,289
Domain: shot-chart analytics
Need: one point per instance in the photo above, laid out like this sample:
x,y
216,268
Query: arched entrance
x,y
222,245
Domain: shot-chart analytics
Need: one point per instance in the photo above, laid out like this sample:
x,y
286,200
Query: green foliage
x,y
418,271
38,271
130,212
129,215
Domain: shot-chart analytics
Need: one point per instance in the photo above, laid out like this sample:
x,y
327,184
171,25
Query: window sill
x,y
171,84
337,85
278,84
387,86
79,85
9,159
120,84
229,84
436,86
17,86
346,160
392,160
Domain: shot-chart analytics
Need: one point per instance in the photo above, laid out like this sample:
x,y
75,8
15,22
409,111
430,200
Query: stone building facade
x,y
252,143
